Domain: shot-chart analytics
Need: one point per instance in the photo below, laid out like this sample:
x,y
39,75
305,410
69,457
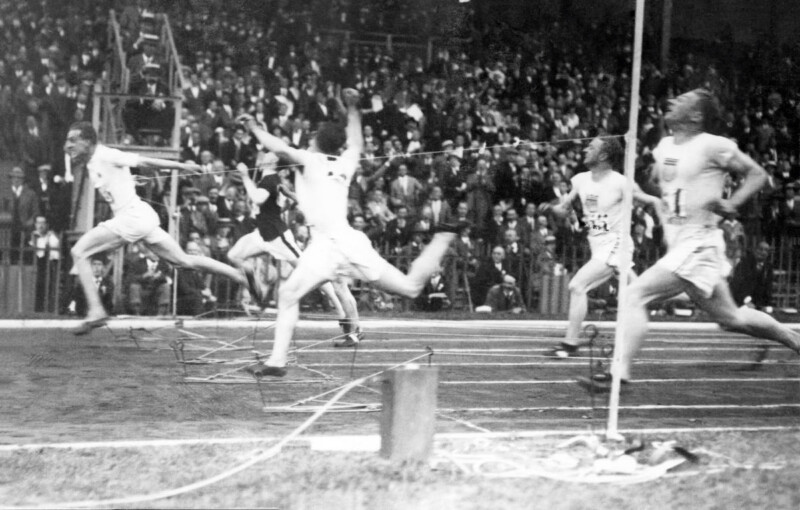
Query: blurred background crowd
x,y
486,122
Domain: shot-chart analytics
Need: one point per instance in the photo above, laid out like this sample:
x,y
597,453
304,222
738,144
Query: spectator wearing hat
x,y
789,211
24,209
505,297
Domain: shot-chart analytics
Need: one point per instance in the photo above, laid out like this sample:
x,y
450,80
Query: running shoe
x,y
262,370
86,327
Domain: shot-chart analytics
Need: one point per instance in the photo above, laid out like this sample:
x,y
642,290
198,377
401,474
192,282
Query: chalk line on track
x,y
636,382
371,442
495,325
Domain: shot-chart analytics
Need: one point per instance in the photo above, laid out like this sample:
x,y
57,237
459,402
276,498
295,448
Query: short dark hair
x,y
86,129
709,108
330,137
613,149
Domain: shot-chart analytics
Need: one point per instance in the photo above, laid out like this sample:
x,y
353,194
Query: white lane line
x,y
456,351
637,381
371,442
495,325
562,363
643,407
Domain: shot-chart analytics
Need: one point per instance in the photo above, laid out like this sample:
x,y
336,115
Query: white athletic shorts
x,y
136,222
282,247
606,249
698,256
346,252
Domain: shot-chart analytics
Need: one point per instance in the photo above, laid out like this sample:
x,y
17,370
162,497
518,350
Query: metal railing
x,y
32,282
176,81
119,77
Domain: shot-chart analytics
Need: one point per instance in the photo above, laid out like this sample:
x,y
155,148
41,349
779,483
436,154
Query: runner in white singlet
x,y
336,249
601,194
134,220
690,167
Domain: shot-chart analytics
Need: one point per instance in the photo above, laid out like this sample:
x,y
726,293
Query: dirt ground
x,y
127,385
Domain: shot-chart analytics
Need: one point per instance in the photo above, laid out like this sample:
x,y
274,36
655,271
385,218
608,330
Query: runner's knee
x,y
287,296
730,322
577,288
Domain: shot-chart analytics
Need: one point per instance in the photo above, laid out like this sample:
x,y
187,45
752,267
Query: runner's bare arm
x,y
355,137
188,166
563,207
755,178
256,194
271,142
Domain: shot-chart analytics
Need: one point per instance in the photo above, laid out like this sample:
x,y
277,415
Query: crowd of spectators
x,y
490,130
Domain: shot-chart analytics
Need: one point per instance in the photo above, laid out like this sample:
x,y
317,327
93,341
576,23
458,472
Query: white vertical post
x,y
174,231
627,205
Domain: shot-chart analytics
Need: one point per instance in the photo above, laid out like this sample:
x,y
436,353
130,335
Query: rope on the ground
x,y
271,452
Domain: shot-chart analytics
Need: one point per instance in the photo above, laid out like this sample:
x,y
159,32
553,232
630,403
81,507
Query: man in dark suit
x,y
489,273
104,284
236,150
398,231
148,279
454,182
24,209
789,211
441,212
751,279
505,297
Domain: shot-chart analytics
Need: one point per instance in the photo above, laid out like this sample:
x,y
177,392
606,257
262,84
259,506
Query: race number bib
x,y
596,222
676,203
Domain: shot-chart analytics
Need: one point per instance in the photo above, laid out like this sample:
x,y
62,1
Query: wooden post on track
x,y
627,204
408,414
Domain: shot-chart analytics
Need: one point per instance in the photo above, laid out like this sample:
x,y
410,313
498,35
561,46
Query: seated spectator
x,y
434,295
148,283
751,278
376,201
504,297
490,272
104,284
